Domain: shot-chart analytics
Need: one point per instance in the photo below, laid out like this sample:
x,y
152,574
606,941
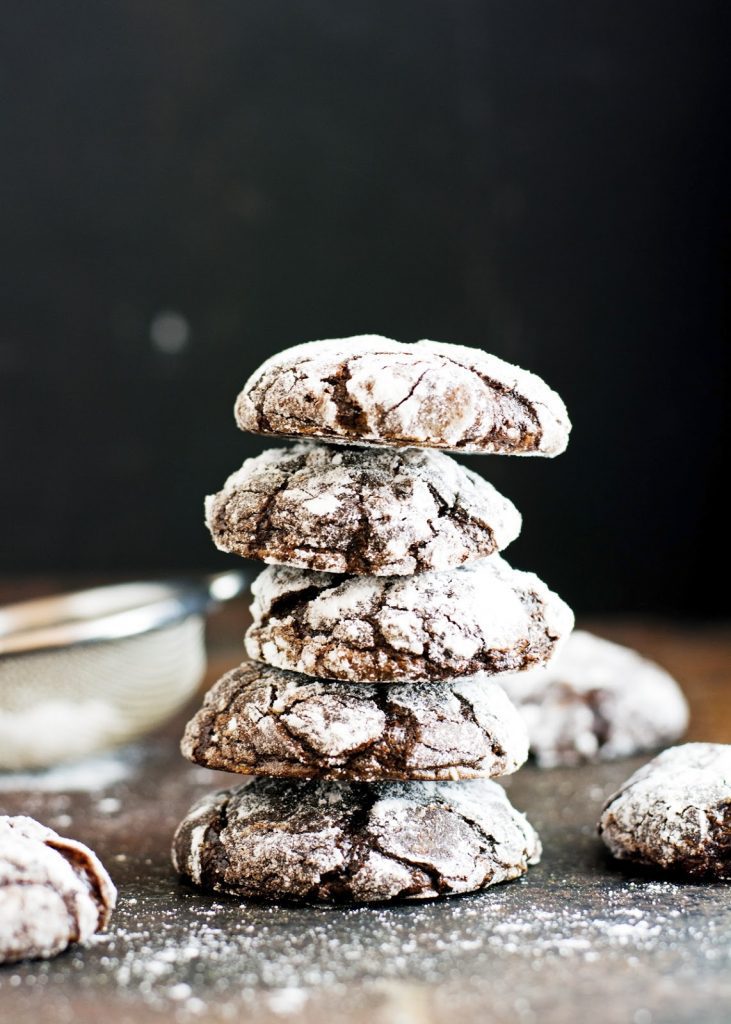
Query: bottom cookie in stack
x,y
360,842
335,825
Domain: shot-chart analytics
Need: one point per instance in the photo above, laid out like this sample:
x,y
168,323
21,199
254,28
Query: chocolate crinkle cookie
x,y
336,842
597,701
675,812
372,390
371,511
53,891
483,617
261,720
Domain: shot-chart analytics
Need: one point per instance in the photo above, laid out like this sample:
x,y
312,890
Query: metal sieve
x,y
84,671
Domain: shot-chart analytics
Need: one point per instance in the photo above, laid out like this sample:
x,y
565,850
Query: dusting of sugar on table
x,y
579,938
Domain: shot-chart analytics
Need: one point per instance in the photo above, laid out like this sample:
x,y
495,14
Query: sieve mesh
x,y
62,704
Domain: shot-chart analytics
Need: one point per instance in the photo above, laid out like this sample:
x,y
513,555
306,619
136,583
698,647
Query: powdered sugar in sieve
x,y
84,671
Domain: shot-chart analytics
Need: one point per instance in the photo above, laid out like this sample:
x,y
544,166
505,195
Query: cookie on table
x,y
482,617
675,812
597,701
260,720
53,891
372,390
371,511
339,842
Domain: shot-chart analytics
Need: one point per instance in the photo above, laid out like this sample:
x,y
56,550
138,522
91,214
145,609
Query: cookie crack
x,y
258,397
349,415
503,391
341,761
281,724
468,713
263,523
438,883
399,718
285,605
358,555
207,721
214,860
386,411
337,884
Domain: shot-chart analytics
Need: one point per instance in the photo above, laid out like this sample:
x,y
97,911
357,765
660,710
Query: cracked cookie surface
x,y
482,617
597,701
371,511
675,812
53,891
260,720
372,390
341,842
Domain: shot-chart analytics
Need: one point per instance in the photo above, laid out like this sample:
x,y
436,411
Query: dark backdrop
x,y
191,186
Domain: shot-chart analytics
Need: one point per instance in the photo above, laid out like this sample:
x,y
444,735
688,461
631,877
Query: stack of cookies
x,y
369,712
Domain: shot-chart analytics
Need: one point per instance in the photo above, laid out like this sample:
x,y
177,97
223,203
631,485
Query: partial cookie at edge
x,y
53,891
597,701
675,812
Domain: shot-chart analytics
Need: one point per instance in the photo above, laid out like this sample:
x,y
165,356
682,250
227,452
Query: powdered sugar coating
x,y
354,842
484,616
373,390
372,511
266,721
597,701
53,891
675,812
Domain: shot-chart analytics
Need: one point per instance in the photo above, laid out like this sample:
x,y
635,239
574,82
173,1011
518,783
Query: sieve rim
x,y
115,612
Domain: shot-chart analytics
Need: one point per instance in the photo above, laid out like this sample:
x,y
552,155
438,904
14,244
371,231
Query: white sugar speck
x,y
92,774
287,1000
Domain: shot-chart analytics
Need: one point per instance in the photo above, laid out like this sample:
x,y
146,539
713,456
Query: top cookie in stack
x,y
385,585
369,390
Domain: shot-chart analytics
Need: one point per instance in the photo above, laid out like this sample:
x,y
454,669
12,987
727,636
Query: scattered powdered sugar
x,y
232,958
90,775
572,932
51,729
576,933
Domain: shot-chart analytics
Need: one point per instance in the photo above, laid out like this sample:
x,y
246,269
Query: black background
x,y
542,180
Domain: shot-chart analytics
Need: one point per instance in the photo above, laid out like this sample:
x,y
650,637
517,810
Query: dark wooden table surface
x,y
579,939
